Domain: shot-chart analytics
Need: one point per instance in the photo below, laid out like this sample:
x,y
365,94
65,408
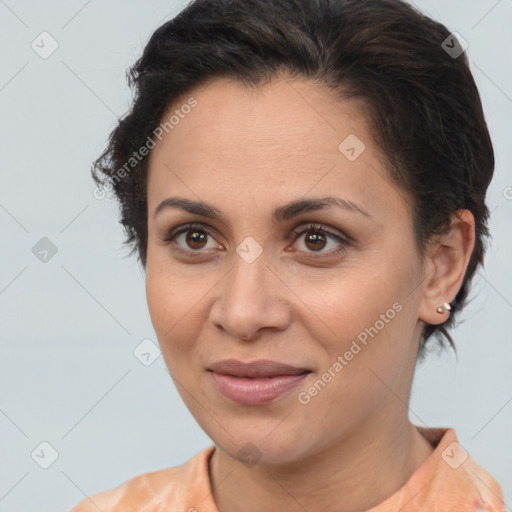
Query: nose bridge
x,y
248,300
248,280
250,263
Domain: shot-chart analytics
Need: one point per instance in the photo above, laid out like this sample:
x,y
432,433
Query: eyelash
x,y
310,227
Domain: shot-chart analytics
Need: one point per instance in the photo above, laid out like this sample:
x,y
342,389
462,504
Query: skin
x,y
247,151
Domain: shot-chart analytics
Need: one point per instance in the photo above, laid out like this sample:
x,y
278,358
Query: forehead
x,y
284,113
281,139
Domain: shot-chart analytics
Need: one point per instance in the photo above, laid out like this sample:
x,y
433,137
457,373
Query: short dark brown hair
x,y
424,106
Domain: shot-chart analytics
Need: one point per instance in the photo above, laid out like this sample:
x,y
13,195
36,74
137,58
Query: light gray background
x,y
69,326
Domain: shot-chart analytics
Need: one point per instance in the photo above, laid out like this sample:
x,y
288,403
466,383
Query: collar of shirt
x,y
449,479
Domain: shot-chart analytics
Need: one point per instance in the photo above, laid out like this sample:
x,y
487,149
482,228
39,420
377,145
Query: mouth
x,y
256,369
255,383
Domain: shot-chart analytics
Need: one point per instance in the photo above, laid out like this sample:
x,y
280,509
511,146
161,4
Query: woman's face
x,y
246,285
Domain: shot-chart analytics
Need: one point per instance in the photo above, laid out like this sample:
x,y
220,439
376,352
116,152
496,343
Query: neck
x,y
355,474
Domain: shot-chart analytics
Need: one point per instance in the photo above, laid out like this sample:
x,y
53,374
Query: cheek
x,y
160,298
177,311
367,318
360,368
341,306
171,298
167,306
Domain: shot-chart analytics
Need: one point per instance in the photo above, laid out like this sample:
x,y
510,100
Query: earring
x,y
445,307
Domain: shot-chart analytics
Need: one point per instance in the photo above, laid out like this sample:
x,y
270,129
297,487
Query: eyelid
x,y
172,234
317,226
343,241
340,237
183,228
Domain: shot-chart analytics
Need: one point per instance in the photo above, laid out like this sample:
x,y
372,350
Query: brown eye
x,y
317,238
317,241
190,239
196,238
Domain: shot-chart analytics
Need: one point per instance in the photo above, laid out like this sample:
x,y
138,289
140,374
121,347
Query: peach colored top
x,y
448,481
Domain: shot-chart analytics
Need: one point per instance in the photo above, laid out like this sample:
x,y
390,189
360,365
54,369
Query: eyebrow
x,y
285,212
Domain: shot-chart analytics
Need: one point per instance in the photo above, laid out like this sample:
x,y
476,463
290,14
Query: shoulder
x,y
469,480
137,491
454,480
152,491
449,479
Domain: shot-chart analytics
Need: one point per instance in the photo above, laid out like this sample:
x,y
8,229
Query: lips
x,y
256,383
256,369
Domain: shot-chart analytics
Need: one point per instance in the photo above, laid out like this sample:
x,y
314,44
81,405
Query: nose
x,y
251,301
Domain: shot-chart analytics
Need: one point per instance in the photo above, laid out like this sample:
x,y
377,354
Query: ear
x,y
446,261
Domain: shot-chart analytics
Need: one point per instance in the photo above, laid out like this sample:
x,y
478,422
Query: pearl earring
x,y
445,307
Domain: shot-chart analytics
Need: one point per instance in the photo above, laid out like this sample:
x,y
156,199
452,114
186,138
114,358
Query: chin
x,y
255,446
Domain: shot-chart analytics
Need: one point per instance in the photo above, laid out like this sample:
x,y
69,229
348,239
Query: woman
x,y
304,182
